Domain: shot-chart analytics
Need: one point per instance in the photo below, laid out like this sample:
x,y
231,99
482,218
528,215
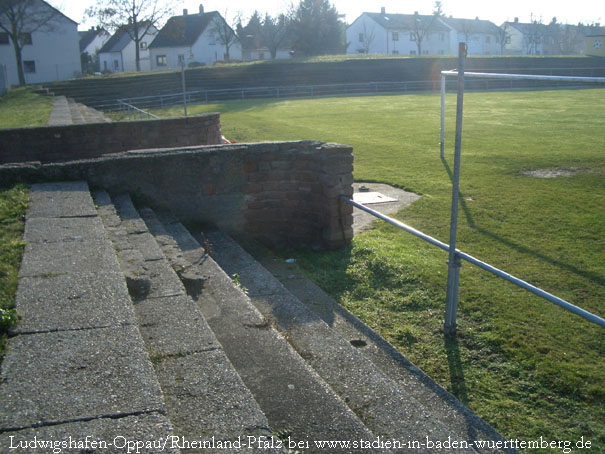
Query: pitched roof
x,y
471,25
119,40
183,30
58,12
87,37
404,21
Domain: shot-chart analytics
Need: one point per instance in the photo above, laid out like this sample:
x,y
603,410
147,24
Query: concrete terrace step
x,y
76,115
205,397
378,401
294,398
60,115
76,365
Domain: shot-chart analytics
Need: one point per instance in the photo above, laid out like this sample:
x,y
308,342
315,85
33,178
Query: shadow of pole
x,y
520,248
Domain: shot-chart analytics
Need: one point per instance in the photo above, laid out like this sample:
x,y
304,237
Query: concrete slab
x,y
73,301
109,434
49,230
173,326
67,257
65,199
73,375
206,398
362,221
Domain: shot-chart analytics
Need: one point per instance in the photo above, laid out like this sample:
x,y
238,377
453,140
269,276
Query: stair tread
x,y
292,397
204,394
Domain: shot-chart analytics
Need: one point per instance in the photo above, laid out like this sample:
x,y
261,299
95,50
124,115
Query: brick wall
x,y
283,194
63,143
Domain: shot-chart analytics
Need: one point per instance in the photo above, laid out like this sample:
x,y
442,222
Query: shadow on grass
x,y
519,248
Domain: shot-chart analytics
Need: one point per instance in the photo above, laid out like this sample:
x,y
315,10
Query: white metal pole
x,y
442,143
454,263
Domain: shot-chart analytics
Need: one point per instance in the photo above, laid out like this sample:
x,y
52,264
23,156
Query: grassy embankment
x,y
528,367
20,107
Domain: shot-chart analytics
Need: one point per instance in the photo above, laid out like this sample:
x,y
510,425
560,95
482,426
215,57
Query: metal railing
x,y
132,111
485,266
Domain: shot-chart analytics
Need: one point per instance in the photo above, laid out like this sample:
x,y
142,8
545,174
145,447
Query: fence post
x,y
442,143
454,263
183,84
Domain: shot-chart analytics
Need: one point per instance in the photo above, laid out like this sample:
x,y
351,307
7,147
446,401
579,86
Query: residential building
x,y
524,38
403,34
50,51
91,41
194,39
482,37
118,54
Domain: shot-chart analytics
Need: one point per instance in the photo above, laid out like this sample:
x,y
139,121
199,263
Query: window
x,y
488,39
395,52
160,60
29,66
508,40
143,45
441,36
361,37
412,52
441,52
4,38
395,36
116,64
26,38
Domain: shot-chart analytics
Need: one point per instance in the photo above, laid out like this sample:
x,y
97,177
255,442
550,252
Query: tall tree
x,y
317,29
421,28
19,19
274,32
503,37
136,17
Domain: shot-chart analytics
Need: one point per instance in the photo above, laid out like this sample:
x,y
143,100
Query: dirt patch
x,y
554,173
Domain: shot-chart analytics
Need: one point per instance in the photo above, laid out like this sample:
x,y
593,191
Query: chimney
x,y
201,9
383,10
476,17
516,20
185,12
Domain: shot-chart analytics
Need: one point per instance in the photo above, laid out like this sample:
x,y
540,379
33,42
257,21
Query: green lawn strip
x,y
13,205
528,367
22,107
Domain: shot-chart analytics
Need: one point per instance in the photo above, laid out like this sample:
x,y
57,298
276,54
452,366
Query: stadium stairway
x,y
66,111
133,325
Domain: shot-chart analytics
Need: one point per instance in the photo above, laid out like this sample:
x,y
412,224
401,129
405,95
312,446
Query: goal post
x,y
512,77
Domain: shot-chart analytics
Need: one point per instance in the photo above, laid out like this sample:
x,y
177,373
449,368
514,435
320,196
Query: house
x,y
524,38
91,41
264,53
194,39
118,54
404,34
50,45
482,37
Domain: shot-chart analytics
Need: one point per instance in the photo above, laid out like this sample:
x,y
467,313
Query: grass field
x,y
22,107
526,366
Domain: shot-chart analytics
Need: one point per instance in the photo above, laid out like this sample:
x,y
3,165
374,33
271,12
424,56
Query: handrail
x,y
136,109
485,266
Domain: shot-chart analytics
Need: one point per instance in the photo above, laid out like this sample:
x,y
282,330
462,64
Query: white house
x,y
91,41
50,52
482,37
194,39
382,33
118,54
524,38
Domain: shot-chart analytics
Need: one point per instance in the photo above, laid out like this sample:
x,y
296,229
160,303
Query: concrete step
x,y
378,400
292,395
205,397
60,115
413,381
92,115
76,116
75,365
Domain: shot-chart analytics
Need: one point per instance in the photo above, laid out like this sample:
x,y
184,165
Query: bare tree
x,y
136,17
19,19
274,32
503,37
421,28
224,33
368,38
532,39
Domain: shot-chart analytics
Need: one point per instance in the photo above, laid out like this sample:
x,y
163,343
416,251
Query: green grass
x,y
22,107
528,367
13,205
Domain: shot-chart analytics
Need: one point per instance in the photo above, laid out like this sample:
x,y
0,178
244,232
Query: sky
x,y
572,12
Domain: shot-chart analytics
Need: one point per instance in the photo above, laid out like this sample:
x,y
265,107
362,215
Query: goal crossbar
x,y
454,73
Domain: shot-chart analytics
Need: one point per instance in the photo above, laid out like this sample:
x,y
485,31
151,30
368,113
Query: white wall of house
x,y
514,45
97,43
111,61
125,60
392,41
53,55
207,50
478,43
265,54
